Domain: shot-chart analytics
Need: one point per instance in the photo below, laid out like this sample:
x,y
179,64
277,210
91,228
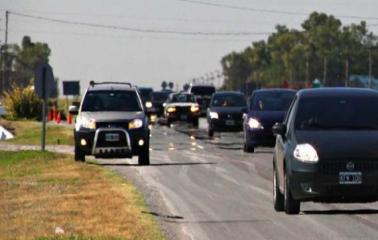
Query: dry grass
x,y
29,132
40,192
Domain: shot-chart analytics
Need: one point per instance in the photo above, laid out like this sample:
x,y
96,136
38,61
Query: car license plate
x,y
183,117
112,137
230,122
350,177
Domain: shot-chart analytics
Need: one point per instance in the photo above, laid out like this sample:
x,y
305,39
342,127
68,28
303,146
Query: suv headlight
x,y
148,104
194,108
136,123
306,153
254,124
214,115
171,109
86,123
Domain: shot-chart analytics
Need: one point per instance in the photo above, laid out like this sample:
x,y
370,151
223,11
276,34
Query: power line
x,y
141,30
260,10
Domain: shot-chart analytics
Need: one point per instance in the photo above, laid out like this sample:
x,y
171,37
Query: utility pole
x,y
5,63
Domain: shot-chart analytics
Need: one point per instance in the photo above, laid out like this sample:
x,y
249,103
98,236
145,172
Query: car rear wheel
x,y
79,154
144,156
278,197
210,132
291,205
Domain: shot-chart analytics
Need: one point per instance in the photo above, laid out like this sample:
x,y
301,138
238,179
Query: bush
x,y
22,103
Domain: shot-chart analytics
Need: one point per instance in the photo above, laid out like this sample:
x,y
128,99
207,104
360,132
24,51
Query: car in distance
x,y
202,95
111,123
181,107
265,108
146,96
158,99
225,112
326,149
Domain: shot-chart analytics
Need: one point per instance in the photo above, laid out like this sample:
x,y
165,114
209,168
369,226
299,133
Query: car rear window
x,y
337,113
271,101
228,100
95,101
202,90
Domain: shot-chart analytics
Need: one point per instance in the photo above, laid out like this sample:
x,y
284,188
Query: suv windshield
x,y
183,98
337,113
271,101
203,90
228,100
118,101
160,96
145,93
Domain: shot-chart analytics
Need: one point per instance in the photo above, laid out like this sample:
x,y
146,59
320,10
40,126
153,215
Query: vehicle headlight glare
x,y
254,124
136,123
194,108
306,153
214,115
148,104
87,123
171,109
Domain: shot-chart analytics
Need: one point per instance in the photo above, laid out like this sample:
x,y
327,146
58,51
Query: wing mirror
x,y
73,110
279,129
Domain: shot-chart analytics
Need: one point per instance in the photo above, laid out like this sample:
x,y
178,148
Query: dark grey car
x,y
326,149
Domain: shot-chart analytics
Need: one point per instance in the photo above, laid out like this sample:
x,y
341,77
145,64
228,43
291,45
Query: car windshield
x,y
145,93
203,90
228,100
118,101
160,96
271,101
337,113
183,98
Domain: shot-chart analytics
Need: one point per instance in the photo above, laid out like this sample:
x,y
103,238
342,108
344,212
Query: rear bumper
x,y
314,186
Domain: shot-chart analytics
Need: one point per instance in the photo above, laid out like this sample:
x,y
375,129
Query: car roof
x,y
337,91
274,90
111,86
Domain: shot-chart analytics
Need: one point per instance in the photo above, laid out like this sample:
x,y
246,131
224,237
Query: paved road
x,y
209,189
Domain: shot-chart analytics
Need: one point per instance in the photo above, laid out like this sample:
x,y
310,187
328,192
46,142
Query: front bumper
x,y
310,183
260,137
97,145
226,125
182,117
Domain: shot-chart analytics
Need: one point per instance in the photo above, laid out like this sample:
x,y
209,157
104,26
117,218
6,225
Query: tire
x,y
169,122
291,205
210,132
248,148
79,155
195,122
144,157
278,197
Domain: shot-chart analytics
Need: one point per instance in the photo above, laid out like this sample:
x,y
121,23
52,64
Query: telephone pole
x,y
5,63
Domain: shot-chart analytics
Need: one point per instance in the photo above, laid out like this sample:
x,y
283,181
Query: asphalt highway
x,y
200,188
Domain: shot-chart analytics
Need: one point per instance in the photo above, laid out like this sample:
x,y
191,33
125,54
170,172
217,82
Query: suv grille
x,y
124,125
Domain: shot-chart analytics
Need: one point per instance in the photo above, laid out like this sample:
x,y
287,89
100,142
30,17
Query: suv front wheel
x,y
144,156
79,154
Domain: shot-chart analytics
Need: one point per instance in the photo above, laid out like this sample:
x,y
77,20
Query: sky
x,y
146,59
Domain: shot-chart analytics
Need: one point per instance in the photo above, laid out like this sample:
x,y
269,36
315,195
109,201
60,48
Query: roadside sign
x,y
44,80
71,88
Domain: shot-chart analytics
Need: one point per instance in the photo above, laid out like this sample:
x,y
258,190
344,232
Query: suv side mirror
x,y
73,110
279,129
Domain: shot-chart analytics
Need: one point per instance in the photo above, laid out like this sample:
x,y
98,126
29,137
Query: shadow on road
x,y
340,212
153,164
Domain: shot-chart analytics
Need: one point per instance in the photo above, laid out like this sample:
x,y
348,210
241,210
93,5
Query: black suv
x,y
326,149
111,123
202,94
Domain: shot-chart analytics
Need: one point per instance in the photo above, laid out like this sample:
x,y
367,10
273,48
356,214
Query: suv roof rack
x,y
93,83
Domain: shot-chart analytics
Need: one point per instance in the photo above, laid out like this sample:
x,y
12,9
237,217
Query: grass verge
x,y
49,196
29,132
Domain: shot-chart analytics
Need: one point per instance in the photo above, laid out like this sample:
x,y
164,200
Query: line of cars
x,y
324,146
